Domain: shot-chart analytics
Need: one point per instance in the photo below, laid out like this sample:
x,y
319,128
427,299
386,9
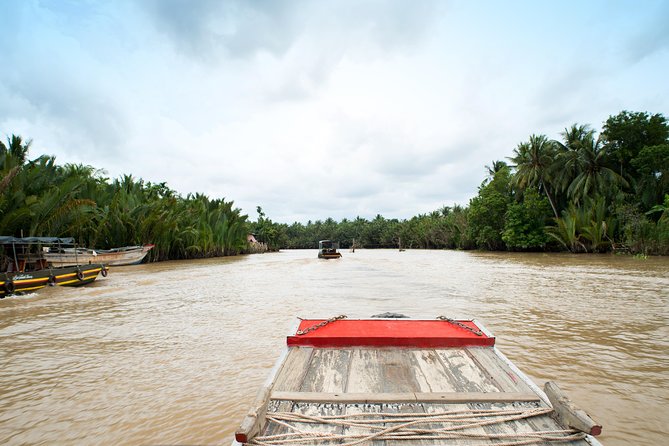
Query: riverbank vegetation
x,y
580,192
40,198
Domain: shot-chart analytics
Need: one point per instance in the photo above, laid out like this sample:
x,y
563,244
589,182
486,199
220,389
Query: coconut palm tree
x,y
594,174
568,152
534,162
495,167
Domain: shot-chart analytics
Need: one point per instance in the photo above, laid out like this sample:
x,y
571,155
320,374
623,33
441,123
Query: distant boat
x,y
24,270
327,249
128,255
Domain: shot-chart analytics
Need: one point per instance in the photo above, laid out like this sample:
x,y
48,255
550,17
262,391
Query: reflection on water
x,y
174,352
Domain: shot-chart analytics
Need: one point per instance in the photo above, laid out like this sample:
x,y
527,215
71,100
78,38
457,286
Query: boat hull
x,y
25,282
112,257
382,369
329,255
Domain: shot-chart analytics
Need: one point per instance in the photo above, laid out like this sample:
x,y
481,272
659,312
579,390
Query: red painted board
x,y
388,333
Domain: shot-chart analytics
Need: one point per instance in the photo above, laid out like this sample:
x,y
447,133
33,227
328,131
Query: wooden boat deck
x,y
327,381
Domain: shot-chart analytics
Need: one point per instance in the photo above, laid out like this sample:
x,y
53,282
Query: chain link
x,y
460,324
320,324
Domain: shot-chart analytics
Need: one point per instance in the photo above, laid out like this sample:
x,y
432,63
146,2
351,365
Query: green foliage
x,y
663,209
652,165
268,232
525,221
586,228
590,184
640,234
567,229
627,133
534,162
594,176
487,211
606,193
445,228
40,198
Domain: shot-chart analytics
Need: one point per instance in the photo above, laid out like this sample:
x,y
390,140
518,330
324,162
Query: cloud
x,y
315,109
240,28
233,28
652,38
53,82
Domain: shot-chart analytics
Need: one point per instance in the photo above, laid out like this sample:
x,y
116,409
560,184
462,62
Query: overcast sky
x,y
315,109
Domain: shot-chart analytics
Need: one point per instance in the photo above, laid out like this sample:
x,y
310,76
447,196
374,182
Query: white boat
x,y
128,255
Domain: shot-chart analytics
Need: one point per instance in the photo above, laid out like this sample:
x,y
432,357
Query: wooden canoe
x,y
405,382
128,255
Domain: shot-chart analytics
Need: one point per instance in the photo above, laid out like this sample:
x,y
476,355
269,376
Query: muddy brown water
x,y
174,352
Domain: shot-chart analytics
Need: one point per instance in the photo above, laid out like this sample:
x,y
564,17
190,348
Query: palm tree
x,y
12,158
495,167
15,149
594,175
568,151
534,162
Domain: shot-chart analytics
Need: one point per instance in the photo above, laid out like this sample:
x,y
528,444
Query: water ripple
x,y
175,352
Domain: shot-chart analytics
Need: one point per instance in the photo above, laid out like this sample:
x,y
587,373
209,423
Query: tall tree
x,y
652,182
534,163
594,174
568,154
495,167
627,133
487,210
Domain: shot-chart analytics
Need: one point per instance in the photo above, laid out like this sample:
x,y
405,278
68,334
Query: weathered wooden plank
x,y
510,427
474,397
358,409
439,408
294,368
407,408
365,374
498,372
289,378
328,370
568,414
254,422
384,371
399,371
465,374
319,410
404,397
534,424
255,419
435,378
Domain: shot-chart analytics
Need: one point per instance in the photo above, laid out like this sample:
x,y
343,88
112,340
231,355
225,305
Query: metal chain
x,y
460,324
320,324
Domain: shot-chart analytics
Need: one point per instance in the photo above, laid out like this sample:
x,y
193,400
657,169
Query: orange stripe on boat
x,y
389,333
30,281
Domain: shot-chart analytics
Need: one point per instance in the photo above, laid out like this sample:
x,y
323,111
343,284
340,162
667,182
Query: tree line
x,y
40,198
581,192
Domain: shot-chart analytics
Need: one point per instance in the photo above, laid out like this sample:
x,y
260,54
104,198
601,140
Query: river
x,y
175,352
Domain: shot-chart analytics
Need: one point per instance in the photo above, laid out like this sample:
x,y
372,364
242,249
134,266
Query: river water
x,y
174,352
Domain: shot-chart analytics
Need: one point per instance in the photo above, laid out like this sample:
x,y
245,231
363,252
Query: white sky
x,y
315,109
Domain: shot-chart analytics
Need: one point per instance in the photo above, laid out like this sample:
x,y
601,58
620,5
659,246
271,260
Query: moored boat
x,y
25,270
406,382
327,249
128,255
